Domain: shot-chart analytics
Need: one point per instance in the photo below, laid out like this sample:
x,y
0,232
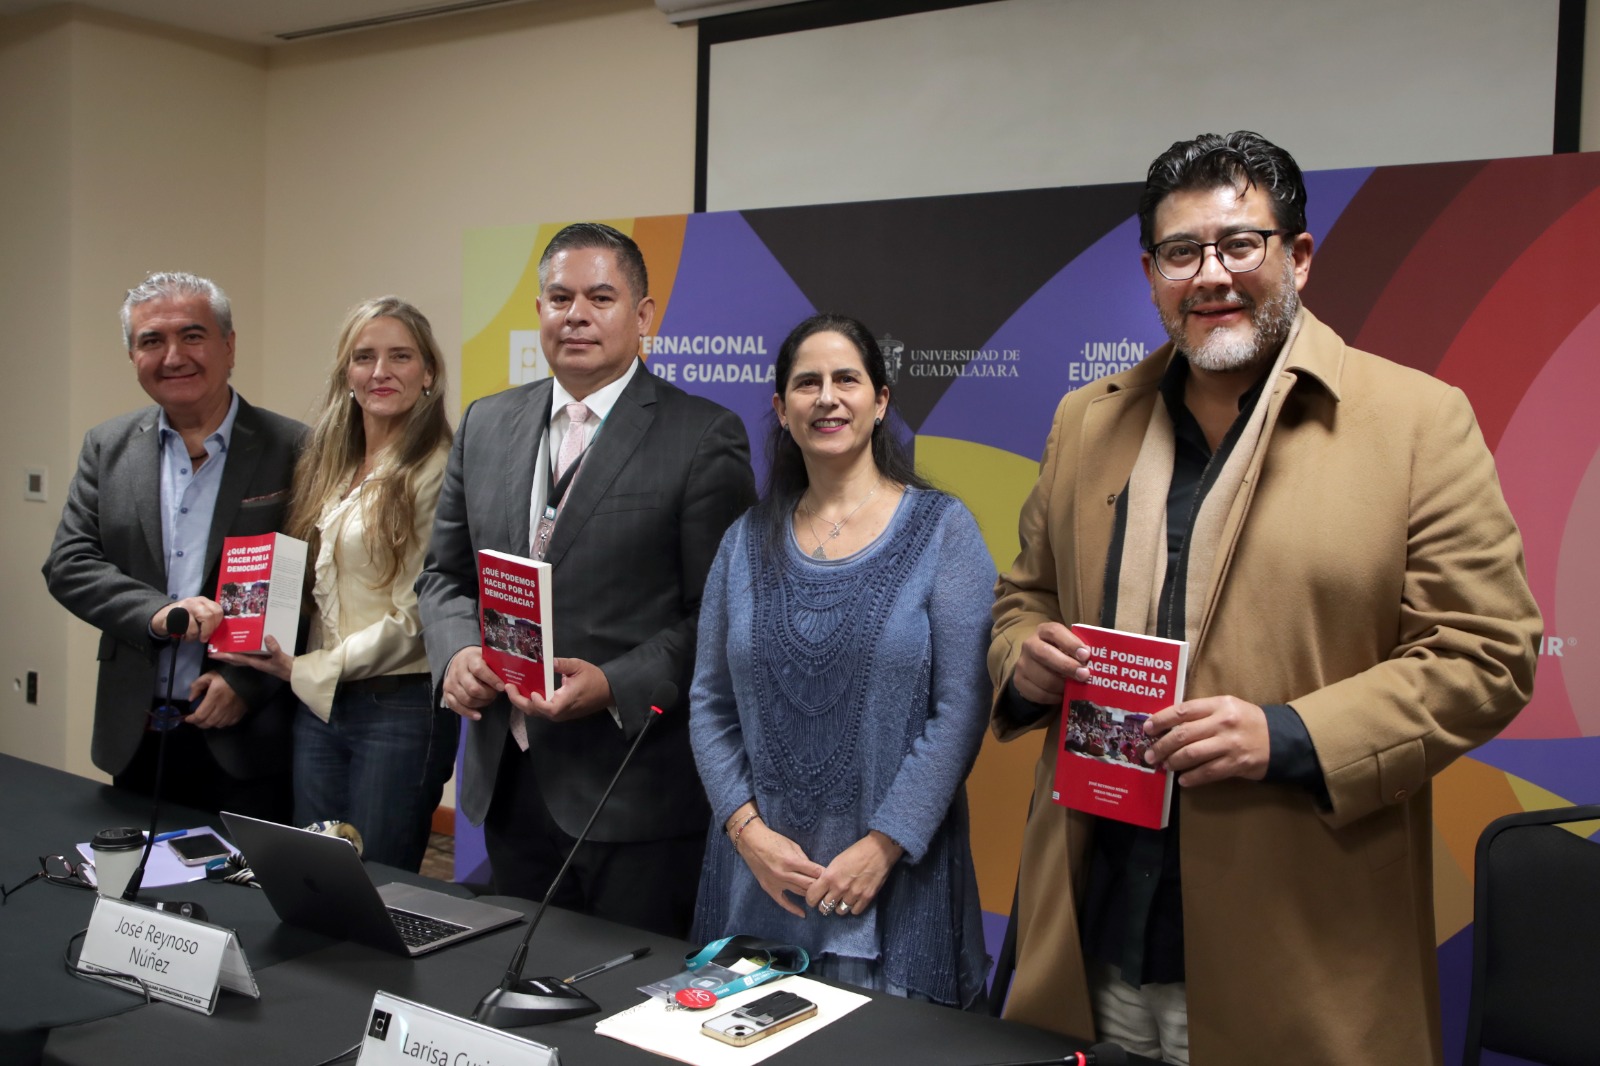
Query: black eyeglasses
x,y
57,869
1239,252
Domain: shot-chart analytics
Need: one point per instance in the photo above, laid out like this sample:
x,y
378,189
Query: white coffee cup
x,y
116,856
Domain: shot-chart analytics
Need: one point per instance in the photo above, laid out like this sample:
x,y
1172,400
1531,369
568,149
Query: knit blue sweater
x,y
846,695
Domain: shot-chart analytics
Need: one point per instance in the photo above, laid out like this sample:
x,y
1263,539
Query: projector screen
x,y
1014,94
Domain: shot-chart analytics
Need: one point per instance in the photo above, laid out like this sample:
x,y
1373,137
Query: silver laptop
x,y
318,882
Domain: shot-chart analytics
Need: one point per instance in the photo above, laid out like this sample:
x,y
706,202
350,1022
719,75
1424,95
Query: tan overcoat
x,y
1370,575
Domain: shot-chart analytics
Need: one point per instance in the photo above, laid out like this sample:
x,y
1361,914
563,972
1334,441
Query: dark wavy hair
x,y
1212,160
787,479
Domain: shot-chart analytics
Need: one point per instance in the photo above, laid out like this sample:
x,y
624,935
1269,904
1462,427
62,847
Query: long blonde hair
x,y
338,445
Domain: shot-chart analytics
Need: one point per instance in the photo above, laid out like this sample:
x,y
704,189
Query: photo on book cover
x,y
243,599
1107,734
506,633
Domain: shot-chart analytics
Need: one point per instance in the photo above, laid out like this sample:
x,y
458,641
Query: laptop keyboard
x,y
418,930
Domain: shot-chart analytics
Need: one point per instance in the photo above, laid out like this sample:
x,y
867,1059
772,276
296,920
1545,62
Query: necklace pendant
x,y
819,553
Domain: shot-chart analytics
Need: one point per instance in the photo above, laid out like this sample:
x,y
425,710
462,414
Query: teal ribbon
x,y
781,960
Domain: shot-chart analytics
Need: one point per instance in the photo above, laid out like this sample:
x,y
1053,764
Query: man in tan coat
x,y
1327,531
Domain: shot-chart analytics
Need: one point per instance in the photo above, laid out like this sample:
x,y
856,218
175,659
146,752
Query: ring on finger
x,y
844,908
825,907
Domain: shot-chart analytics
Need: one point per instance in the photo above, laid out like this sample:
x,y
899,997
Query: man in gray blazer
x,y
649,478
155,493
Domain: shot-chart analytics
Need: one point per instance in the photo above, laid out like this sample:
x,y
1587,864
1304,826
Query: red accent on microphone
x,y
664,695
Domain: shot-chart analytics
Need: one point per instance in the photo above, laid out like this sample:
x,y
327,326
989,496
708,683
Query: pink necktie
x,y
571,448
572,443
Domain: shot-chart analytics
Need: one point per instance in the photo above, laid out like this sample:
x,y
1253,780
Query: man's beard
x,y
1225,350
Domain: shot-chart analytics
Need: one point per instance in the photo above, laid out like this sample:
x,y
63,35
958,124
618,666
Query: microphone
x,y
519,1001
1098,1055
177,626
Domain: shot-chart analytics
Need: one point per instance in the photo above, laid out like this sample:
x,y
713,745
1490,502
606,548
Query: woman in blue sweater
x,y
840,693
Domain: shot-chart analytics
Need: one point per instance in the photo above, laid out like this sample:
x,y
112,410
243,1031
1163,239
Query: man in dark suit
x,y
625,485
155,493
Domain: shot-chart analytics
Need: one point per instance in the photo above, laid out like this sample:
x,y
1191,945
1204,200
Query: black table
x,y
315,992
48,812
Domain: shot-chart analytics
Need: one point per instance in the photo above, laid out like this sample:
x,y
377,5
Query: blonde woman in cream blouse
x,y
370,746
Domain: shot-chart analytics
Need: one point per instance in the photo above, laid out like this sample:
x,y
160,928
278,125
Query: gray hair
x,y
171,284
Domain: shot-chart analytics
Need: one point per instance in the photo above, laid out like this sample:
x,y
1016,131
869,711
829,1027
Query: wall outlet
x,y
33,686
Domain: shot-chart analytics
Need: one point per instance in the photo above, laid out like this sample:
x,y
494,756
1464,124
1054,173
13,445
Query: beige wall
x,y
383,147
35,210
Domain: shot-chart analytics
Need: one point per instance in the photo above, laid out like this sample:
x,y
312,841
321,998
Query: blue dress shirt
x,y
188,498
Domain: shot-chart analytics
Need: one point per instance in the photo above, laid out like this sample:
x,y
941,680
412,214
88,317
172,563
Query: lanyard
x,y
556,491
780,961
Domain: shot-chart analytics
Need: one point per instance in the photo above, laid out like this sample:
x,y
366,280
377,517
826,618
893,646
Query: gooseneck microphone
x,y
1097,1055
177,626
519,1001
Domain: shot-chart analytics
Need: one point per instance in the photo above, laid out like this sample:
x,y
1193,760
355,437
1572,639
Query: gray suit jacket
x,y
661,483
108,567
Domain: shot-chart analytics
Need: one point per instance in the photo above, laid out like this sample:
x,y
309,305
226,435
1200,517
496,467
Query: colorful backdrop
x,y
991,306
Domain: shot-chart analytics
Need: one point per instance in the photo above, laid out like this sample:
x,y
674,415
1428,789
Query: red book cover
x,y
1100,765
514,615
258,587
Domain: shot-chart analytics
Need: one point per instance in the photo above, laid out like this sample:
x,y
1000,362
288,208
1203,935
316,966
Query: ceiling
x,y
271,21
277,21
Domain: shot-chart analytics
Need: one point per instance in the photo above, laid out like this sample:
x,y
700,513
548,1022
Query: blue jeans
x,y
380,763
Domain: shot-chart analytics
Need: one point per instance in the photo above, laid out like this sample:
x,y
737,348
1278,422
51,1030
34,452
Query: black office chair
x,y
1536,940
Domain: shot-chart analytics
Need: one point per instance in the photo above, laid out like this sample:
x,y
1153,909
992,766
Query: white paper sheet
x,y
676,1033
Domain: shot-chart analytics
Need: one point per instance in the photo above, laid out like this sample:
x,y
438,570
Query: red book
x,y
514,615
258,587
1100,765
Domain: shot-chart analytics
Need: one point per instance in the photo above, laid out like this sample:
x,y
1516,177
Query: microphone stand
x,y
519,1001
177,626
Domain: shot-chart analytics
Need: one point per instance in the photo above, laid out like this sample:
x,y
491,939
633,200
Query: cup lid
x,y
120,839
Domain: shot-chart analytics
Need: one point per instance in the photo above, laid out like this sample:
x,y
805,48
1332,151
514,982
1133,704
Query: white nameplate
x,y
406,1033
178,959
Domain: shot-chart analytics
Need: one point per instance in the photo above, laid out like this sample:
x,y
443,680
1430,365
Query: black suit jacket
x,y
107,566
660,484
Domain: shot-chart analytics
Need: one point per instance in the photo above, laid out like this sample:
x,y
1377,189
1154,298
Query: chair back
x,y
1536,940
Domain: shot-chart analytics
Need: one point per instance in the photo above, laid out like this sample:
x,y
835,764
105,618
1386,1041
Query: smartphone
x,y
196,849
759,1018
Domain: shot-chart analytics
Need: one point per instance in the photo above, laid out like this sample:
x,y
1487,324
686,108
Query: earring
x,y
352,394
427,391
876,422
785,426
